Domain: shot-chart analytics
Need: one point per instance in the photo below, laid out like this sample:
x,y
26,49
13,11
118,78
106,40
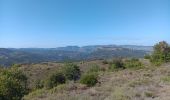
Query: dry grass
x,y
150,83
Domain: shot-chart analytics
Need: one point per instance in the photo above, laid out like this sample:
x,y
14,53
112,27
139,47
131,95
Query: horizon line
x,y
76,46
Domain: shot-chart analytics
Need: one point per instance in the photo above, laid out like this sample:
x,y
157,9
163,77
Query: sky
x,y
55,23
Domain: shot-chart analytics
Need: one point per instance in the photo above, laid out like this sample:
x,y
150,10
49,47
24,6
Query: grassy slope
x,y
150,83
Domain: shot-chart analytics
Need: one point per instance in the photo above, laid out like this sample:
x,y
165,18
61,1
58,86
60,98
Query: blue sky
x,y
54,23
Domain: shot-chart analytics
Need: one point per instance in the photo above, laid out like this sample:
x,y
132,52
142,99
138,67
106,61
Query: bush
x,y
71,71
133,64
12,84
116,64
55,79
161,53
89,79
156,59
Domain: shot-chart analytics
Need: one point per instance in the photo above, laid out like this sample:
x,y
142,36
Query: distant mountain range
x,y
9,56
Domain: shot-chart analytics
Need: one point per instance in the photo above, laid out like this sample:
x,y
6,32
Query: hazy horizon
x,y
60,23
74,46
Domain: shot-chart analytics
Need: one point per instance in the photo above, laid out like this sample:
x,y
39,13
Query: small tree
x,y
89,79
71,71
161,53
116,64
55,79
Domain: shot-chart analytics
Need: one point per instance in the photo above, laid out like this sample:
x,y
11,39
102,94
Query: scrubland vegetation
x,y
161,53
110,79
12,84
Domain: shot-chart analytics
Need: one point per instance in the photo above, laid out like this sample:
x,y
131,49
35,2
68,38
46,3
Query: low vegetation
x,y
89,79
55,80
13,84
133,64
116,64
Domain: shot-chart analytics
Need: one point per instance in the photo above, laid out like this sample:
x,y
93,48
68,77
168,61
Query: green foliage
x,y
90,79
161,53
116,64
133,64
157,59
54,80
12,84
71,71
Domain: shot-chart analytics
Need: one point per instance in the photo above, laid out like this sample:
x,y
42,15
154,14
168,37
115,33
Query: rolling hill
x,y
11,56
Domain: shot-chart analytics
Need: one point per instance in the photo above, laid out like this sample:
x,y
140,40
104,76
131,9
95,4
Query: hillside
x,y
9,57
148,83
119,78
70,53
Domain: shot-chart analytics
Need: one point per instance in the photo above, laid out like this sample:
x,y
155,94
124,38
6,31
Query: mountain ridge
x,y
9,56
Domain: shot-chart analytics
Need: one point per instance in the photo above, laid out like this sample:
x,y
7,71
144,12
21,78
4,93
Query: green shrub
x,y
133,64
89,79
116,64
161,53
157,59
12,84
71,71
54,80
